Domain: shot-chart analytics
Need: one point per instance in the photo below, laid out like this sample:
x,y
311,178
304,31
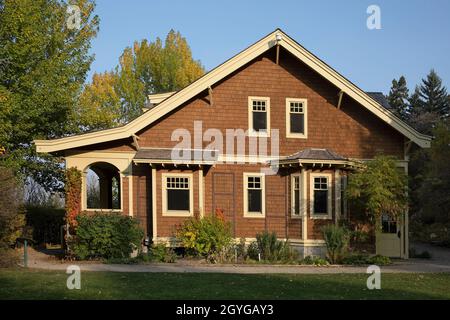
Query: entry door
x,y
389,240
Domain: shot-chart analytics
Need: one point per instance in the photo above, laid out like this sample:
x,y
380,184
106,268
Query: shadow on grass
x,y
19,284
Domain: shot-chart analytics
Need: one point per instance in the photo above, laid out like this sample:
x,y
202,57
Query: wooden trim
x,y
154,206
250,117
290,134
263,195
329,214
174,213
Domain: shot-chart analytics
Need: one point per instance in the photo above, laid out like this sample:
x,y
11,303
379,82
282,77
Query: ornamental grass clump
x,y
337,240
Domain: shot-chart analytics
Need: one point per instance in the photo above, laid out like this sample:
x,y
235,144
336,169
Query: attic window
x,y
296,120
259,116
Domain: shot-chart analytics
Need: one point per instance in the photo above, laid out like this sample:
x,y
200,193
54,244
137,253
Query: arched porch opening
x,y
103,186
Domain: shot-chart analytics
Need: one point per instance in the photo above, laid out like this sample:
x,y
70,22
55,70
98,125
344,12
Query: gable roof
x,y
380,98
220,72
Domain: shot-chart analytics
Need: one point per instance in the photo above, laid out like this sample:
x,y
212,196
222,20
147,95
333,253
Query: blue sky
x,y
414,35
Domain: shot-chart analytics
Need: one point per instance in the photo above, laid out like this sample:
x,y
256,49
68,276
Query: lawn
x,y
31,284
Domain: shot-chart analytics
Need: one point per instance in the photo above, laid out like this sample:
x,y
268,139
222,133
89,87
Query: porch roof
x,y
315,157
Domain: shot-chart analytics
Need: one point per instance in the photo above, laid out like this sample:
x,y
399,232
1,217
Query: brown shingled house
x,y
313,125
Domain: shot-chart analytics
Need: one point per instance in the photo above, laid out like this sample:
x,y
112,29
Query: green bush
x,y
271,249
253,251
162,253
208,237
355,259
379,260
46,223
106,235
364,259
336,239
314,260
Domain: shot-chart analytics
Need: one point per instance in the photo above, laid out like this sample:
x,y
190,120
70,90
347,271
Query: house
x,y
268,137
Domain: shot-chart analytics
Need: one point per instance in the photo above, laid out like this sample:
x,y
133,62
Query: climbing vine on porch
x,y
73,195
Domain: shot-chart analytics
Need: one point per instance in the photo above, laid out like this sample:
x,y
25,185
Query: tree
x,y
379,188
421,118
146,68
398,98
434,95
99,105
44,65
433,193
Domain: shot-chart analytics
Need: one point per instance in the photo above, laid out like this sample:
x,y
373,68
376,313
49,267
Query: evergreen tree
x,y
434,95
398,98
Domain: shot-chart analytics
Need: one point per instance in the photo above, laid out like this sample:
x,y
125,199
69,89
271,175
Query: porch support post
x,y
130,192
337,196
154,206
303,205
406,219
201,198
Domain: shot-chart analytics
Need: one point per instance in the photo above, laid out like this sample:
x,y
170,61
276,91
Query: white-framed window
x,y
296,118
320,196
177,194
254,195
259,116
296,195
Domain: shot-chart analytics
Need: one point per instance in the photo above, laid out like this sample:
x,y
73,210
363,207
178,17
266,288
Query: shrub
x,y
379,260
314,260
364,259
12,219
253,251
46,223
355,259
271,249
162,253
9,257
208,237
106,235
336,239
237,252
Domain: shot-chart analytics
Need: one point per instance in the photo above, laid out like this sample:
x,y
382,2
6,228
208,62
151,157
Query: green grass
x,y
31,284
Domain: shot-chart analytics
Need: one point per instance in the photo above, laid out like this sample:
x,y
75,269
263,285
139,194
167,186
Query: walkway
x,y
440,262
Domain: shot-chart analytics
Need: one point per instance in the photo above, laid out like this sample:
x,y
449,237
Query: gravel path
x,y
439,263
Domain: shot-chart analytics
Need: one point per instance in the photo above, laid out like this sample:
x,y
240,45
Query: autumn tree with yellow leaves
x,y
118,96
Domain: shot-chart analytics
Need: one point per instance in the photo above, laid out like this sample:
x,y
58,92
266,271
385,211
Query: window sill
x,y
102,210
296,136
177,214
258,134
320,217
296,217
254,215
